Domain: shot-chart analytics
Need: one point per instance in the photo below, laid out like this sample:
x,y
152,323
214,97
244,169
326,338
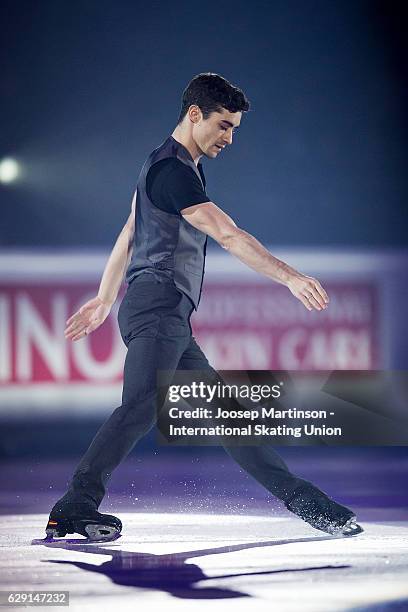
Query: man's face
x,y
211,135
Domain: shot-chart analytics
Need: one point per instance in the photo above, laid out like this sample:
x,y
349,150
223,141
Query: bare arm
x,y
210,219
92,314
118,261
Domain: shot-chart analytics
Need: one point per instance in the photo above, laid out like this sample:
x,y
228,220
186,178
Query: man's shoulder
x,y
171,168
171,162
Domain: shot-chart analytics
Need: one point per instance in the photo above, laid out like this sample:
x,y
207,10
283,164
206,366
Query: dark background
x,y
89,88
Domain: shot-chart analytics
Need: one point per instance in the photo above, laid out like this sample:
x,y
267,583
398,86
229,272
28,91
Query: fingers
x,y
316,305
315,298
310,292
316,295
81,330
93,326
322,292
80,321
305,301
319,293
72,335
74,326
79,335
91,304
73,318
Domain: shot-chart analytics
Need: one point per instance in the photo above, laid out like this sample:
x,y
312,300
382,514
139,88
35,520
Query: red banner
x,y
244,322
239,326
263,326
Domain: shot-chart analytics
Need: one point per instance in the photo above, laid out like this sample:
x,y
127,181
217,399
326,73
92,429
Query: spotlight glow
x,y
9,170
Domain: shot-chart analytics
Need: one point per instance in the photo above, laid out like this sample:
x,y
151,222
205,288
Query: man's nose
x,y
228,137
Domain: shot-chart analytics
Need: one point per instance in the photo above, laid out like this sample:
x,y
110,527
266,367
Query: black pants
x,y
154,322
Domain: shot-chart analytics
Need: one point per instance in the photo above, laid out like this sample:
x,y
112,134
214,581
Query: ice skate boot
x,y
82,517
323,513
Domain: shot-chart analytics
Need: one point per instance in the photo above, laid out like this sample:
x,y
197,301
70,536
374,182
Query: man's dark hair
x,y
211,92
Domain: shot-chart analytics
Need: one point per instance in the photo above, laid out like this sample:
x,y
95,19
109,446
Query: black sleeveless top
x,y
165,243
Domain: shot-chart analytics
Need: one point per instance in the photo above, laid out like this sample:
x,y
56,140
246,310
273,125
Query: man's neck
x,y
187,141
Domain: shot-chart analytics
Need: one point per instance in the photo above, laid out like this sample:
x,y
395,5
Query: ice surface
x,y
192,560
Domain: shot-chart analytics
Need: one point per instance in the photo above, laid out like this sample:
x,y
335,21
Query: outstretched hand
x,y
88,318
309,291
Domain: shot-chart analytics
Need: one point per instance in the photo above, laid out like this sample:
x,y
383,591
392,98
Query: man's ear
x,y
194,113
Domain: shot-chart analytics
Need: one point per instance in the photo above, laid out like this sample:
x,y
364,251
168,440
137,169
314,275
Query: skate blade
x,y
351,528
45,540
55,538
92,532
102,533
